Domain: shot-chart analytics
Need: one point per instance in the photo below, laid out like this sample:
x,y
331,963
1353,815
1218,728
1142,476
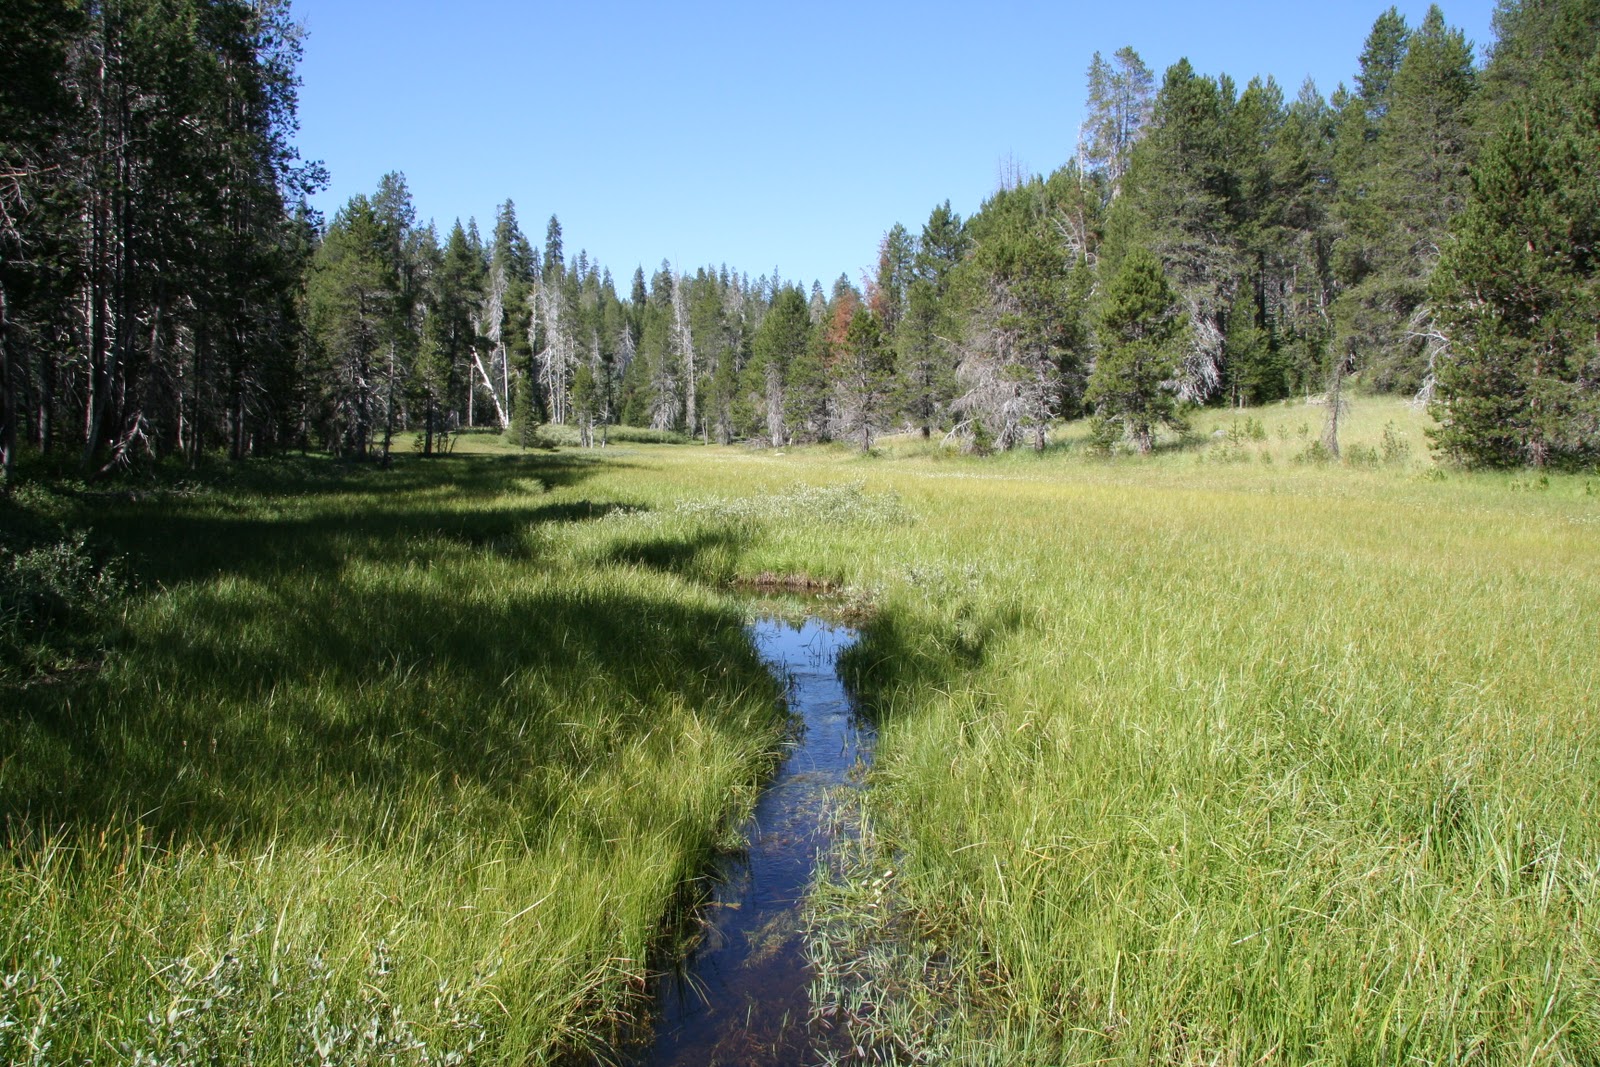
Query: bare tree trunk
x,y
1330,427
196,414
8,399
499,411
685,346
388,415
775,406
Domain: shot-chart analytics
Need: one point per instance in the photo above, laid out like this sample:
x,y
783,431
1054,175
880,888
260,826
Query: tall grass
x,y
1188,759
373,771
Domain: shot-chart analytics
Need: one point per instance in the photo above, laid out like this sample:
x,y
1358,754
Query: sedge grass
x,y
1182,759
370,773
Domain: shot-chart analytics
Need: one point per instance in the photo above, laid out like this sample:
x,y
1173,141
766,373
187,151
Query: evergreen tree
x,y
456,293
1516,291
1538,44
1141,336
782,339
37,117
927,379
896,256
352,297
945,242
1180,203
1019,314
862,371
1405,178
1116,113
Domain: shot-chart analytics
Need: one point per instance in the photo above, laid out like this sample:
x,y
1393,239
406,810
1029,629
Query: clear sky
x,y
754,134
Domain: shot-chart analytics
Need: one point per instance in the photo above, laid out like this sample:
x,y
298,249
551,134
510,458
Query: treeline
x,y
149,269
1428,229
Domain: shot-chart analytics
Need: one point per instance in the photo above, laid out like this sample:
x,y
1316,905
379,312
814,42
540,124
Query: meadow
x,y
1230,754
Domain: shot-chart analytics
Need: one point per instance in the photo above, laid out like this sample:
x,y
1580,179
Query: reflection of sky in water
x,y
740,997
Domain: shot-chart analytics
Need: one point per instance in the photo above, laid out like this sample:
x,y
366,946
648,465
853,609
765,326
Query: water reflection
x,y
740,996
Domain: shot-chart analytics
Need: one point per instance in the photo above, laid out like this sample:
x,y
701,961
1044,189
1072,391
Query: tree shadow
x,y
709,555
316,719
899,660
342,514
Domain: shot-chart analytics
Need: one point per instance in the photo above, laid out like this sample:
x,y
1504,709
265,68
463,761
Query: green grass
x,y
375,763
1192,758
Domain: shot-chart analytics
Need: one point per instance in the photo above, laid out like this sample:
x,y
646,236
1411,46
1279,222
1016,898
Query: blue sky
x,y
752,134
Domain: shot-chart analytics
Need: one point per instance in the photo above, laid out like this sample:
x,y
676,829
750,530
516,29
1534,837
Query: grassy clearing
x,y
1187,759
373,768
1200,762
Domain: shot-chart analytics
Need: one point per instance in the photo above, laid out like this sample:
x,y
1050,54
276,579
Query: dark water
x,y
740,997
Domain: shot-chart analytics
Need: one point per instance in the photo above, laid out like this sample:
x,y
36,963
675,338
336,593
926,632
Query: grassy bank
x,y
1190,761
1225,755
373,766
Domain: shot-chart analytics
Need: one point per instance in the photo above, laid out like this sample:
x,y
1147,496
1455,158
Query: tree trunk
x,y
388,415
1330,428
8,399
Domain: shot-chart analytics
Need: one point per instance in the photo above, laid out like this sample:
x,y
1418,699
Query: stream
x,y
741,996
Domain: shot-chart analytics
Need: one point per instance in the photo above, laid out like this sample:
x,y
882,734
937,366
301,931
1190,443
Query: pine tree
x,y
1141,337
37,115
1180,204
352,308
781,340
1118,108
1538,44
1404,164
1516,291
862,373
887,297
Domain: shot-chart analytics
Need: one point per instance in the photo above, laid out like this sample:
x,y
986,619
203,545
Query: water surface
x,y
740,996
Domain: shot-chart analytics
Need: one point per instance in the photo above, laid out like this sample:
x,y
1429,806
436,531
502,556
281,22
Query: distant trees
x,y
164,289
1515,293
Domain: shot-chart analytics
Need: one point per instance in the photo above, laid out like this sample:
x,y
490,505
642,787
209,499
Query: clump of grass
x,y
844,504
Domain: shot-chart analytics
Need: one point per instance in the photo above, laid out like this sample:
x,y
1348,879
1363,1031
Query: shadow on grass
x,y
899,661
317,516
272,691
249,713
708,555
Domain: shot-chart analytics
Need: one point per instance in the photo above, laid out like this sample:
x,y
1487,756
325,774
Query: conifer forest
x,y
167,291
1214,518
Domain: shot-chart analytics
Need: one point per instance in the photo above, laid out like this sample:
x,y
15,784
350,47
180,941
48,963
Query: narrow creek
x,y
741,995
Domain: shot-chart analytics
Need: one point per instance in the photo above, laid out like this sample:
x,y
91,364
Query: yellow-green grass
x,y
374,768
1182,758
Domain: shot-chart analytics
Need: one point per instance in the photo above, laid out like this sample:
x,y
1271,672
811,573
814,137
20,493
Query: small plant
x,y
1358,455
1314,453
1395,448
45,592
1104,436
